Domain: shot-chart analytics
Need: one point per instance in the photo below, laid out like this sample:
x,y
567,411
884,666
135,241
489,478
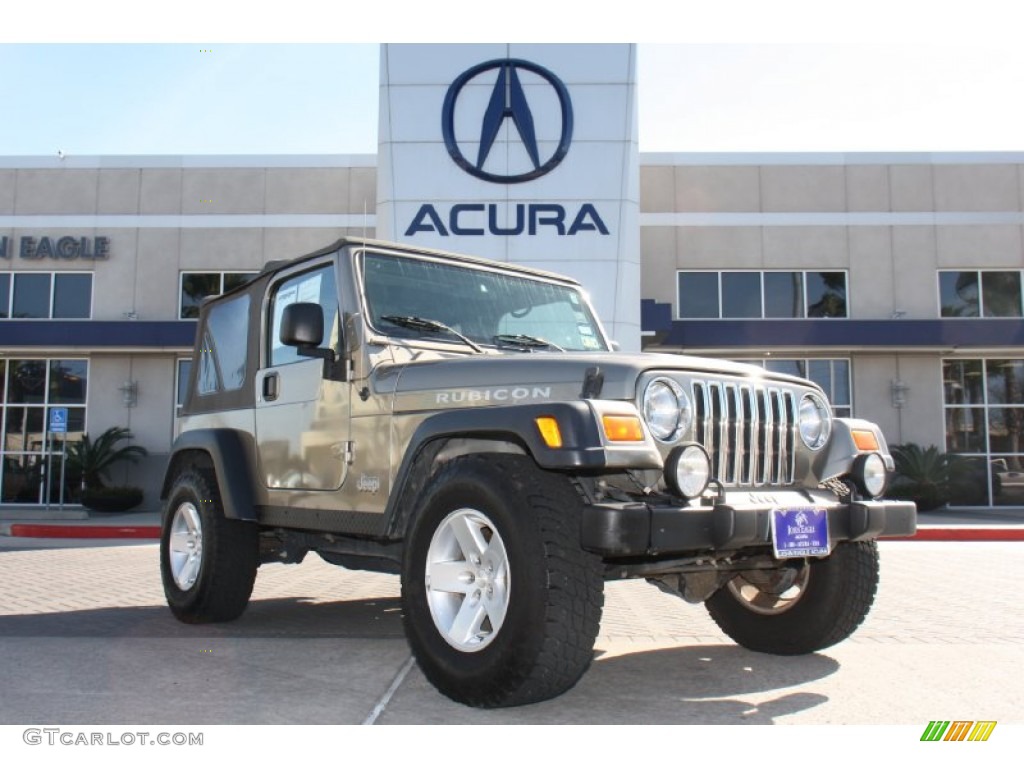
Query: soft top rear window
x,y
222,355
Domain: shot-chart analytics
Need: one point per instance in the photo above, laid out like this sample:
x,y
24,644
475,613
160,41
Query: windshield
x,y
490,308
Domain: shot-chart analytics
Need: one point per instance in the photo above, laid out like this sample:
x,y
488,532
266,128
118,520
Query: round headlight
x,y
815,421
870,475
687,470
666,408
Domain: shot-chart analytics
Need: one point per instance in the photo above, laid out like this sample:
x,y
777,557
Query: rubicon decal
x,y
502,395
958,730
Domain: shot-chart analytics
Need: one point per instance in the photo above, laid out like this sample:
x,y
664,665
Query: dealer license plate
x,y
800,532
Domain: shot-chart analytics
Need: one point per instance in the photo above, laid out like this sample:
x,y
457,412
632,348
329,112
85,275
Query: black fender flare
x,y
581,449
225,448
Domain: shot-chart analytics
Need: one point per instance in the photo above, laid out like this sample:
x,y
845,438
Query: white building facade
x,y
893,280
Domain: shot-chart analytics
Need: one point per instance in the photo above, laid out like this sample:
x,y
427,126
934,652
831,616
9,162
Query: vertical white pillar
x,y
519,153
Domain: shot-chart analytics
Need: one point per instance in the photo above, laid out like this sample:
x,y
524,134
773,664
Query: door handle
x,y
271,383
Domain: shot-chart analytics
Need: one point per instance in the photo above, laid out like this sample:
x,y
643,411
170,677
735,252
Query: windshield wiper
x,y
522,340
431,326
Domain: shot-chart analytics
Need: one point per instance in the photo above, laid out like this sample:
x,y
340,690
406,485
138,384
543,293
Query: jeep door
x,y
302,418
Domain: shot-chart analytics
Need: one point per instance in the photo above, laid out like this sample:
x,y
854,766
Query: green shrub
x,y
932,478
89,461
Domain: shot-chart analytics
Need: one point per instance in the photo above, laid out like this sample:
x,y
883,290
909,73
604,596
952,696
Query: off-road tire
x,y
555,589
229,554
837,595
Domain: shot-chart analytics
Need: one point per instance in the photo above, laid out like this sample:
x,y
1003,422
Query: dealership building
x,y
892,280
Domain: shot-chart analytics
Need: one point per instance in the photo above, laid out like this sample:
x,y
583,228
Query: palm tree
x,y
91,461
932,478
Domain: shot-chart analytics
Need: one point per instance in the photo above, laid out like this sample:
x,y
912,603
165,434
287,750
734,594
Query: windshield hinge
x,y
593,383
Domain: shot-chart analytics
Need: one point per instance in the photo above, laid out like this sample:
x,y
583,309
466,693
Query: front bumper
x,y
639,529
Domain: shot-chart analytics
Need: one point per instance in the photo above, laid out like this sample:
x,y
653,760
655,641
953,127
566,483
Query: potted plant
x,y
90,461
933,479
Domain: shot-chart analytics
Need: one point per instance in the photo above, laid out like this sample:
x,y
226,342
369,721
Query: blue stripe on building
x,y
974,333
97,334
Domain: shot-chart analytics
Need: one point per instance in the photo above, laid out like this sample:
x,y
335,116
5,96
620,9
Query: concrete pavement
x,y
86,638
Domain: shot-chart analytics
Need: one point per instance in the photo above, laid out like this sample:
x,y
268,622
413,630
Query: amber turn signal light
x,y
865,440
623,429
549,430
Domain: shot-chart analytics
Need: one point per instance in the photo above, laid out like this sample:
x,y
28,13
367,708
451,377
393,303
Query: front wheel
x,y
502,606
208,563
802,608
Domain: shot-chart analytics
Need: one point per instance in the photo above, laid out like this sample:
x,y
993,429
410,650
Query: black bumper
x,y
637,529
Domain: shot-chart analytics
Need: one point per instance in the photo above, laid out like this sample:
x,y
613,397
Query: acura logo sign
x,y
507,102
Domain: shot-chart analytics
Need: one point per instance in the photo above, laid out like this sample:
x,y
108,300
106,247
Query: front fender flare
x,y
582,446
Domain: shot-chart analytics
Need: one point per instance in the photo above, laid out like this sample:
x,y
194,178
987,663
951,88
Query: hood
x,y
550,375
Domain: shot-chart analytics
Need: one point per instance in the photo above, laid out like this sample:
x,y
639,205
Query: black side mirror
x,y
302,325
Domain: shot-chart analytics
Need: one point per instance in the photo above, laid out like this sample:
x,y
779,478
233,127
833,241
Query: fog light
x,y
870,475
688,470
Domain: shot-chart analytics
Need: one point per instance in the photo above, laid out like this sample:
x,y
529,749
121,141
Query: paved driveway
x,y
85,638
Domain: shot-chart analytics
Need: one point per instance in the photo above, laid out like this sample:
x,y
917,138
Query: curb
x,y
48,531
86,531
966,533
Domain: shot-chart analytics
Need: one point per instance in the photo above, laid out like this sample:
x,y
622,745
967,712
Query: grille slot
x,y
749,432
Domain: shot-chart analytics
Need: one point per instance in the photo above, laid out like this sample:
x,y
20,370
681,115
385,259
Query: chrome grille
x,y
749,432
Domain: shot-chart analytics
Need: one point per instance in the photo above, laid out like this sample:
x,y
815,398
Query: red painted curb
x,y
86,531
1015,533
972,533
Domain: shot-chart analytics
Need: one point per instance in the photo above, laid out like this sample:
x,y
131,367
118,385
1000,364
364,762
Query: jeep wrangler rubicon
x,y
467,424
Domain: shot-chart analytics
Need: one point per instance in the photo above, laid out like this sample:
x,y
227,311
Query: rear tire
x,y
827,601
502,606
207,562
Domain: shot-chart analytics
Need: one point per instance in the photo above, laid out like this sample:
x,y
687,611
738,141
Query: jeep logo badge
x,y
368,484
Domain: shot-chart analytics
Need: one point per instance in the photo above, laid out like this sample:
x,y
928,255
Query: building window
x,y
46,295
29,389
196,286
760,295
984,409
831,374
980,293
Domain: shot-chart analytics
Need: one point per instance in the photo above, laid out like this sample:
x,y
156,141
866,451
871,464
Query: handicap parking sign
x,y
59,420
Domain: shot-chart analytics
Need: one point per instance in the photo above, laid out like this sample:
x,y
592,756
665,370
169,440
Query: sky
x,y
100,79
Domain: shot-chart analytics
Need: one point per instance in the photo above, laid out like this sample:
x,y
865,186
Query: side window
x,y
318,287
183,374
222,357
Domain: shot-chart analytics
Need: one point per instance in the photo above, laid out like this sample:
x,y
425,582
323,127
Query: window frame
x,y
52,294
979,271
221,274
761,362
761,273
45,407
986,406
327,265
